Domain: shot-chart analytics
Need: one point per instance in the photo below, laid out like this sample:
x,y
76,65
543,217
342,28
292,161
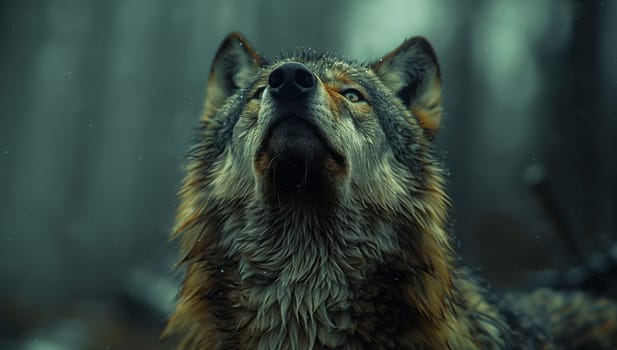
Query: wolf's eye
x,y
353,95
258,93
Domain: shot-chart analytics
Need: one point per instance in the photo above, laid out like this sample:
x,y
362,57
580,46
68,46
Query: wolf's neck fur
x,y
298,240
295,273
304,276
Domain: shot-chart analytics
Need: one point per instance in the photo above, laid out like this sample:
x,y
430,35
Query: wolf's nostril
x,y
305,78
276,79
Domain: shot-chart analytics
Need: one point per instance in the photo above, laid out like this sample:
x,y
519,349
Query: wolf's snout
x,y
291,80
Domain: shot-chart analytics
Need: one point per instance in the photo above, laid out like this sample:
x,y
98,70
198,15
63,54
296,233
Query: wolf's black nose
x,y
291,80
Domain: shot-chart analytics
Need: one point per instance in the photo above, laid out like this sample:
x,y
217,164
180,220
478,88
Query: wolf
x,y
314,216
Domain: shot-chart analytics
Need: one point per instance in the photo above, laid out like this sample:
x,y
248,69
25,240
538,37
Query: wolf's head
x,y
309,129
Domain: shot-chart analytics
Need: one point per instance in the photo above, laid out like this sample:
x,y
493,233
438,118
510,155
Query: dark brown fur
x,y
355,254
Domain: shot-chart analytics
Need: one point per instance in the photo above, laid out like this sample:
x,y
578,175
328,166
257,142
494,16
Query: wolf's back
x,y
572,320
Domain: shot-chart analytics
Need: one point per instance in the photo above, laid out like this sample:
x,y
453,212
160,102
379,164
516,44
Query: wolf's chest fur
x,y
316,298
298,311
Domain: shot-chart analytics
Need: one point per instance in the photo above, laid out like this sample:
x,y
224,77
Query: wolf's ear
x,y
412,72
234,63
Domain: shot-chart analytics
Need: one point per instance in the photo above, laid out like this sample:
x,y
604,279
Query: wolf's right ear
x,y
234,63
412,72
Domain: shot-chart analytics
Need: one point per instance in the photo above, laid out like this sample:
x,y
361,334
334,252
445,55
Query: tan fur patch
x,y
334,99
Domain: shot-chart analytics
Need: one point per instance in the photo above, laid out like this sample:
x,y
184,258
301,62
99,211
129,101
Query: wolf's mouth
x,y
296,155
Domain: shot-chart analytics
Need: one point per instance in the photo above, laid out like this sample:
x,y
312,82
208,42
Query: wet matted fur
x,y
315,218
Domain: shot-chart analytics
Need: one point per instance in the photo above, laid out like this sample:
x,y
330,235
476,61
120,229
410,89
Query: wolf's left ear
x,y
412,72
234,63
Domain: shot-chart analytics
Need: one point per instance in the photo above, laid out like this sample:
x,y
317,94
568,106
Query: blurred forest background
x,y
98,100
